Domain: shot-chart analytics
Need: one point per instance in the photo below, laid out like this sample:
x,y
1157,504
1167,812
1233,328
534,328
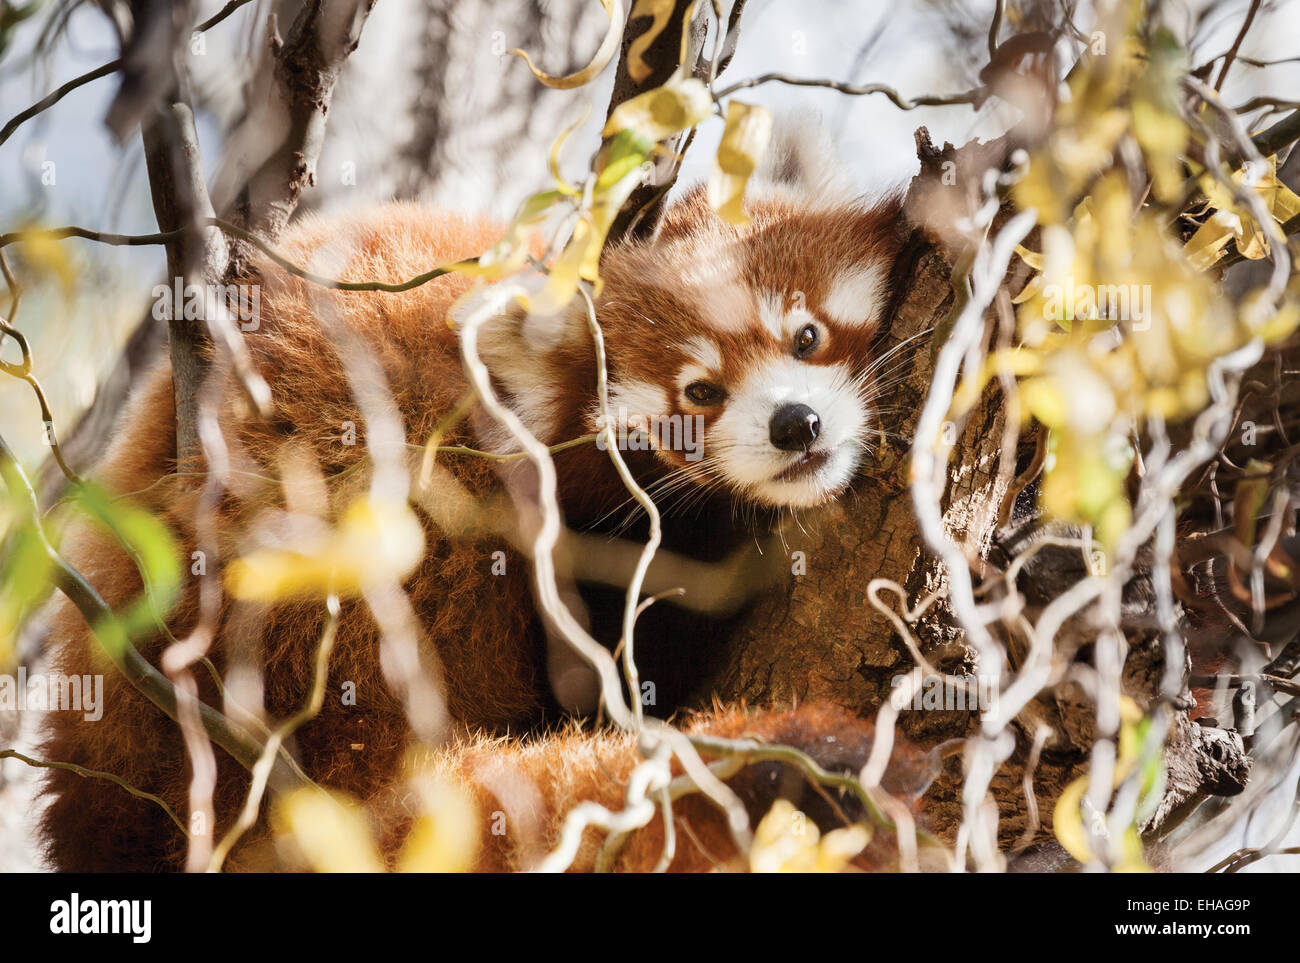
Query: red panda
x,y
759,338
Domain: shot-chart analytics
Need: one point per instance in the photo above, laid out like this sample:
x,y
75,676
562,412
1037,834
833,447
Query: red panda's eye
x,y
703,393
806,340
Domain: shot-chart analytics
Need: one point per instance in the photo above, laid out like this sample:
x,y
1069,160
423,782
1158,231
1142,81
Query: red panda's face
x,y
742,357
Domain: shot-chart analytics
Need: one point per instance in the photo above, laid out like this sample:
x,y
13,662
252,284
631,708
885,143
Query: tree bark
x,y
822,638
645,205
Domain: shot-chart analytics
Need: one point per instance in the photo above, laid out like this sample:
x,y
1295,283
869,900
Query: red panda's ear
x,y
517,345
566,328
689,216
803,163
801,167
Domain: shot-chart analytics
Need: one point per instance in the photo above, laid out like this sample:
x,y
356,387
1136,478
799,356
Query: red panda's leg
x,y
523,790
92,825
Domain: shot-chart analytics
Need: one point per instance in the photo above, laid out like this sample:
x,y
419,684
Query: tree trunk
x,y
823,639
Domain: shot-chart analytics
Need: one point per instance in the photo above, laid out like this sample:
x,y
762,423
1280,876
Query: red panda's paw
x,y
524,791
835,739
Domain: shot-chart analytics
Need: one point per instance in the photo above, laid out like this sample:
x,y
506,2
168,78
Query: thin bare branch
x,y
52,98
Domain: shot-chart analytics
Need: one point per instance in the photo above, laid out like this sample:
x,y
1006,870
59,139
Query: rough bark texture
x,y
180,199
641,212
290,94
307,64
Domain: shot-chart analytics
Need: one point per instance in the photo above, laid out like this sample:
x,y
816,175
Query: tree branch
x,y
195,255
641,211
104,70
1236,44
135,668
323,35
306,67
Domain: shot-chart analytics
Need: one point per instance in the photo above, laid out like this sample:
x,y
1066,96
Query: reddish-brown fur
x,y
574,766
482,626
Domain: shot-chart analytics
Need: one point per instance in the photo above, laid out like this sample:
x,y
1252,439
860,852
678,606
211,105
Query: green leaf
x,y
24,584
156,553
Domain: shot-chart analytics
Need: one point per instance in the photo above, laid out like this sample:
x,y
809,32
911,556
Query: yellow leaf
x,y
47,256
604,54
1109,214
1011,361
1113,520
1157,122
748,130
330,829
376,540
1067,821
1044,398
1032,258
658,114
1133,854
661,11
553,160
1279,199
839,846
1281,324
1061,170
620,167
445,836
1032,288
579,260
510,254
1206,246
787,841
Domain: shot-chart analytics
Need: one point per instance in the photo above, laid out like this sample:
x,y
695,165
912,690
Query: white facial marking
x,y
856,294
779,322
771,314
704,352
725,307
708,279
741,442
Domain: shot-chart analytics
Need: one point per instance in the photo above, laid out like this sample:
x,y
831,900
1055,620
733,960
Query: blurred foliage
x,y
24,579
156,555
744,141
787,841
1121,323
11,15
1135,755
1117,332
332,834
375,540
29,570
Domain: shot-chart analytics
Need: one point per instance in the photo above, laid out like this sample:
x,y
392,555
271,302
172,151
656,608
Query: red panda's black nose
x,y
794,427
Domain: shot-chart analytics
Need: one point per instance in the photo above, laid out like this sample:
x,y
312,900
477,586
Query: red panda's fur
x,y
483,626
